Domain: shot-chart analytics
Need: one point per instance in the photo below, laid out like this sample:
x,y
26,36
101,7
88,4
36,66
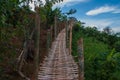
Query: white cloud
x,y
93,22
68,3
100,24
116,11
116,29
103,9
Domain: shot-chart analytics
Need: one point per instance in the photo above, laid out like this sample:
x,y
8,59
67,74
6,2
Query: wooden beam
x,y
70,45
37,26
55,27
81,59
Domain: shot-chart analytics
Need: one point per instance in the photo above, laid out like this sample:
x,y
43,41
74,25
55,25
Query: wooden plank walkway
x,y
59,64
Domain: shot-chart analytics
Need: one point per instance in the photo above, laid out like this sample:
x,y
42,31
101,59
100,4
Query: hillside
x,y
101,61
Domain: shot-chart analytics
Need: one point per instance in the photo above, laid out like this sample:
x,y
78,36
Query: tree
x,y
107,30
71,11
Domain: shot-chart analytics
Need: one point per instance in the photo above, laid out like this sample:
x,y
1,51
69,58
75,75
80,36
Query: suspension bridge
x,y
59,64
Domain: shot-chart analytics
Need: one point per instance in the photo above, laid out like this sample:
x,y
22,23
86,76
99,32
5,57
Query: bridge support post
x,y
37,42
81,59
70,45
55,27
51,34
66,28
48,39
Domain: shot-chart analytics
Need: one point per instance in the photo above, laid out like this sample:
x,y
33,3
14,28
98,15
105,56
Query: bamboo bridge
x,y
59,64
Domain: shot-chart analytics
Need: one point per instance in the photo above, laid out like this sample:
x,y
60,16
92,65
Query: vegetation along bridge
x,y
59,63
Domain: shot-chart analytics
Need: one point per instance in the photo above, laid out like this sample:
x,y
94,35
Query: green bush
x,y
101,63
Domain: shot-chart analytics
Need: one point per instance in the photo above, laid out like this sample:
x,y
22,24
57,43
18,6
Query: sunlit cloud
x,y
116,28
116,11
67,3
103,9
100,24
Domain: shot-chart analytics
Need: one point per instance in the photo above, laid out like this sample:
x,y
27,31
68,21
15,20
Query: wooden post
x,y
37,26
51,34
66,27
81,59
55,27
70,46
48,40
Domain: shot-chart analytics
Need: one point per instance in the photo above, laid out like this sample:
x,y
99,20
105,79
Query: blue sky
x,y
99,13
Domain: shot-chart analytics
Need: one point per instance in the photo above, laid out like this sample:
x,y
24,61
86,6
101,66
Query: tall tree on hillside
x,y
71,11
107,30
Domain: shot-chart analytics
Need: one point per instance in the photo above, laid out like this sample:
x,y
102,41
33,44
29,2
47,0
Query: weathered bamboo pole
x,y
55,27
48,40
37,26
70,43
51,34
81,59
66,27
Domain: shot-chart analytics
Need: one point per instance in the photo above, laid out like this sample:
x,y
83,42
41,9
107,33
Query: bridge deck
x,y
59,64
